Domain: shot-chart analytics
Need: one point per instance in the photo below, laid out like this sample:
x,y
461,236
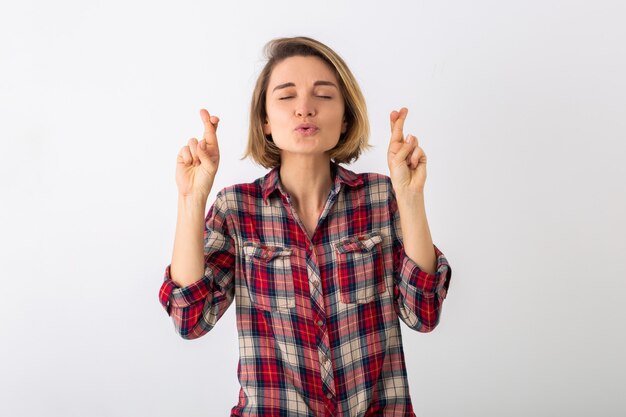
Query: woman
x,y
313,253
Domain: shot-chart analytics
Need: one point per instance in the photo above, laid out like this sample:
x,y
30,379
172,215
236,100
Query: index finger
x,y
397,124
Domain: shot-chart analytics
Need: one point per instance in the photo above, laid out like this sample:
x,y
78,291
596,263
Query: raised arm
x,y
196,166
423,273
198,286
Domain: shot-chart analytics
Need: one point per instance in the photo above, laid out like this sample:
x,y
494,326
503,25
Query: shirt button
x,y
320,323
325,360
329,395
316,284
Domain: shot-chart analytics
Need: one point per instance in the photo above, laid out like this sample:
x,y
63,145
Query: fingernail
x,y
203,144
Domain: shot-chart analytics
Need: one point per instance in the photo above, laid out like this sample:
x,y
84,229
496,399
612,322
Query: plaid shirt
x,y
318,319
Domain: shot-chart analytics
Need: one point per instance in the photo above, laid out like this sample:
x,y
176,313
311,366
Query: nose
x,y
305,108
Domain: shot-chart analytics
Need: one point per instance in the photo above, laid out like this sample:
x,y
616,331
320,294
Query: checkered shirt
x,y
318,319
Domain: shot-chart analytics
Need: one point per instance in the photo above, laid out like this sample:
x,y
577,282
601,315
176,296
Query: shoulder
x,y
363,179
369,187
234,195
248,188
374,179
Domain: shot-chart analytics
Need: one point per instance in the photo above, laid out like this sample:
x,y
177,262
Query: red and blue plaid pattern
x,y
318,319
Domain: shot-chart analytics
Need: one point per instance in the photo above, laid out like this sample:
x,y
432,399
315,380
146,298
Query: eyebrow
x,y
316,83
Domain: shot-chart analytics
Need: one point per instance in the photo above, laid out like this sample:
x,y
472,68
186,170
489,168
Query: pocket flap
x,y
361,243
265,252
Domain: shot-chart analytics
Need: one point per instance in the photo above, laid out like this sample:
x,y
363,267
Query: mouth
x,y
307,129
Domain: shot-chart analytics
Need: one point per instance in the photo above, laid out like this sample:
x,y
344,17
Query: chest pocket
x,y
360,264
269,277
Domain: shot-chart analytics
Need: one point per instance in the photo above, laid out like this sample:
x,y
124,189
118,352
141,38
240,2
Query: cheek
x,y
277,117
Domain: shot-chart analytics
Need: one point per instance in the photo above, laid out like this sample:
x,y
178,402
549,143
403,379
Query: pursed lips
x,y
306,129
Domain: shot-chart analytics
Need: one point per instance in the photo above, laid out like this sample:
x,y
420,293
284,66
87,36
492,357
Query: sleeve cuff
x,y
171,295
428,284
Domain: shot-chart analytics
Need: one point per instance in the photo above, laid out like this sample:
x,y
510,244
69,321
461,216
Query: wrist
x,y
406,194
190,201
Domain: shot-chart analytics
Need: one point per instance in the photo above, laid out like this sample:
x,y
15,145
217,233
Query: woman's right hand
x,y
197,162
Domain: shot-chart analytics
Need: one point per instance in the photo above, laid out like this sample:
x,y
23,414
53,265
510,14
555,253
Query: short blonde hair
x,y
351,143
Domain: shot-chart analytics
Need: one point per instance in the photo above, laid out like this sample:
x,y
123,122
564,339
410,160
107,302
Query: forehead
x,y
301,70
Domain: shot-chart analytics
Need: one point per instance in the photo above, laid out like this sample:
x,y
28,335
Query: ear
x,y
344,126
267,130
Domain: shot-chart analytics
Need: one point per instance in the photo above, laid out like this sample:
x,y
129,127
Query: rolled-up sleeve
x,y
196,308
429,285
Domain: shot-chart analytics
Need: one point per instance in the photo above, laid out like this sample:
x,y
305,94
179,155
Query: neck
x,y
308,182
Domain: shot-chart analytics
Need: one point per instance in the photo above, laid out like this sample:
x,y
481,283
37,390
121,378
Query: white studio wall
x,y
520,107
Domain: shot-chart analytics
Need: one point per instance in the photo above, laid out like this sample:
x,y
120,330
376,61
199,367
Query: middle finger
x,y
193,144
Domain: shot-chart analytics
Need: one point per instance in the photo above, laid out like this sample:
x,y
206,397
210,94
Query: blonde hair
x,y
351,143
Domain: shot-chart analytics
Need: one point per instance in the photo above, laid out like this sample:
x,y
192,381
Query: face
x,y
305,108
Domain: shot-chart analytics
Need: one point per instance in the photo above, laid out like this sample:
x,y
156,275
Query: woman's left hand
x,y
407,161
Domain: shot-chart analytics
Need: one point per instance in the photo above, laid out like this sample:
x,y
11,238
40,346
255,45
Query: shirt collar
x,y
341,175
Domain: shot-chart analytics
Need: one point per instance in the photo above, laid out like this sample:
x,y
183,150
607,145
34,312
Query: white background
x,y
519,105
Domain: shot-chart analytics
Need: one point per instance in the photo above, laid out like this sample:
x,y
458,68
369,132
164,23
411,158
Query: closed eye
x,y
285,98
325,97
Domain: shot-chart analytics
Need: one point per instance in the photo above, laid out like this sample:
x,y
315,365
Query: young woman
x,y
322,262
